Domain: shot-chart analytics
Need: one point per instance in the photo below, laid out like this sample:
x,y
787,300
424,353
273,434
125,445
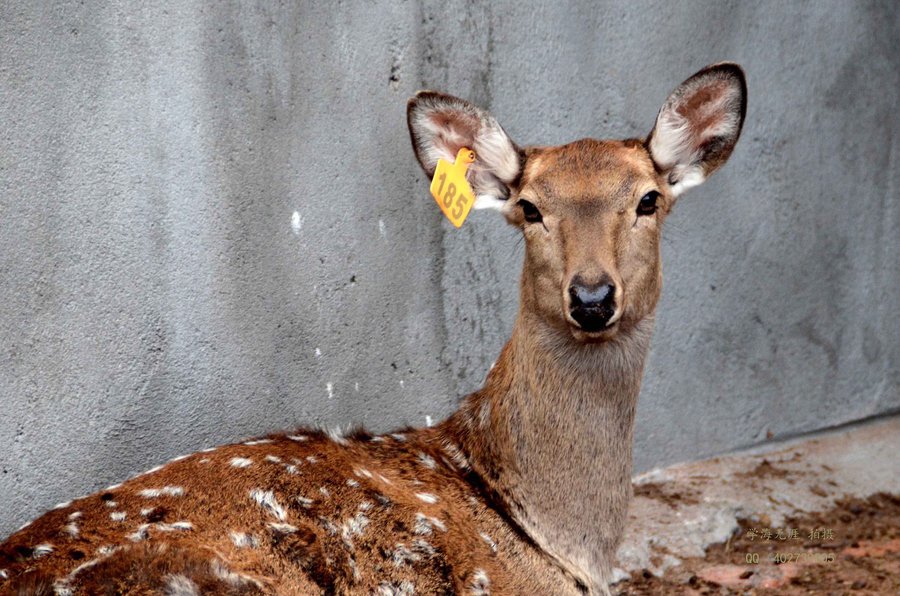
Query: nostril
x,y
593,296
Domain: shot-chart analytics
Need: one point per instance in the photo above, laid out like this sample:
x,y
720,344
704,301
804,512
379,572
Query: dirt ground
x,y
853,548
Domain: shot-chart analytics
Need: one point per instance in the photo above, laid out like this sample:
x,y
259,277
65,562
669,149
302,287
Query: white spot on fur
x,y
179,585
329,526
117,516
424,524
399,437
353,526
43,549
311,459
151,470
243,540
283,528
4,573
335,434
298,438
290,468
178,458
111,504
403,555
305,502
62,505
296,223
221,571
240,462
266,499
74,515
208,450
424,547
351,562
71,529
139,534
405,588
204,461
147,511
489,540
427,461
258,442
480,584
167,491
179,525
427,497
324,491
112,487
362,472
273,459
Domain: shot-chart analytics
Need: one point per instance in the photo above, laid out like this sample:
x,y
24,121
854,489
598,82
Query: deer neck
x,y
550,436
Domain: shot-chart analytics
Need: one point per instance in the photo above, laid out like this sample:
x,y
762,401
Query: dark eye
x,y
532,215
647,204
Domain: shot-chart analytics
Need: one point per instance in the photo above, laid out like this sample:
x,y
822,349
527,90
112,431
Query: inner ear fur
x,y
698,125
440,125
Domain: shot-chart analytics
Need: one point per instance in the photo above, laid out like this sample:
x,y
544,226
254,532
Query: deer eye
x,y
532,215
647,204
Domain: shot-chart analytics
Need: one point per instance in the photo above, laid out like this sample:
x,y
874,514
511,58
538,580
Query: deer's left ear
x,y
698,126
440,125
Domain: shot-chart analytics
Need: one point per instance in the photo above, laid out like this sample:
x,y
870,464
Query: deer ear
x,y
442,124
698,126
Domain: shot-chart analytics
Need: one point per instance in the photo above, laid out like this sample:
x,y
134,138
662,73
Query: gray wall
x,y
158,294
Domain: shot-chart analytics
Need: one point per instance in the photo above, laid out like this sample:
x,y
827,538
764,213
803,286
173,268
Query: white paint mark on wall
x,y
296,223
330,388
318,353
381,228
428,421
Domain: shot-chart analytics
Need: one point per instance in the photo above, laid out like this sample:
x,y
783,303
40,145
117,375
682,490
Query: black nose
x,y
592,305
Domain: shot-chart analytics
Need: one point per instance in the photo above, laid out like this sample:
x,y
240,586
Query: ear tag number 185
x,y
450,188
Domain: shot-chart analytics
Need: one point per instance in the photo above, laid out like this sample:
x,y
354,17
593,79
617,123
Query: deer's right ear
x,y
442,124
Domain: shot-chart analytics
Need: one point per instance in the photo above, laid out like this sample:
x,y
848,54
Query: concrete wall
x,y
212,224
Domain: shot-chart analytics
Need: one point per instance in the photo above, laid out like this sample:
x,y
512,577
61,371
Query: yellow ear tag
x,y
450,188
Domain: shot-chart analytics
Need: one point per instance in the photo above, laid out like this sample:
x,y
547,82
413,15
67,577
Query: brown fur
x,y
523,490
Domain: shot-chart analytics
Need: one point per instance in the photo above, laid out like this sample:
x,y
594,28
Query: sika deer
x,y
523,490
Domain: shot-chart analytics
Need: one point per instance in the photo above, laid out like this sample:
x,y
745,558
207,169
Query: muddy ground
x,y
853,548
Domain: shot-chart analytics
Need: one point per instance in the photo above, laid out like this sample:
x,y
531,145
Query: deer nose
x,y
592,305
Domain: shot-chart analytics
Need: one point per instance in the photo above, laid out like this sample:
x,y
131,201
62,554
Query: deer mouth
x,y
594,335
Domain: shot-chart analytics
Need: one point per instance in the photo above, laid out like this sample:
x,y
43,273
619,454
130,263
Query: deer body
x,y
524,490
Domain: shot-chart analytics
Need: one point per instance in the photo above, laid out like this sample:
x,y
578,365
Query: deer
x,y
522,490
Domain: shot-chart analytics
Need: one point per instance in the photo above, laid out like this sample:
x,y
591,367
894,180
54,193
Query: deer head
x,y
591,211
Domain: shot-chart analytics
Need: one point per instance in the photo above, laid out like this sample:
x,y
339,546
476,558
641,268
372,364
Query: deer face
x,y
591,212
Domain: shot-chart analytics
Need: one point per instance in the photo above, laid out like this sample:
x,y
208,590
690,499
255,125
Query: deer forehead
x,y
588,175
